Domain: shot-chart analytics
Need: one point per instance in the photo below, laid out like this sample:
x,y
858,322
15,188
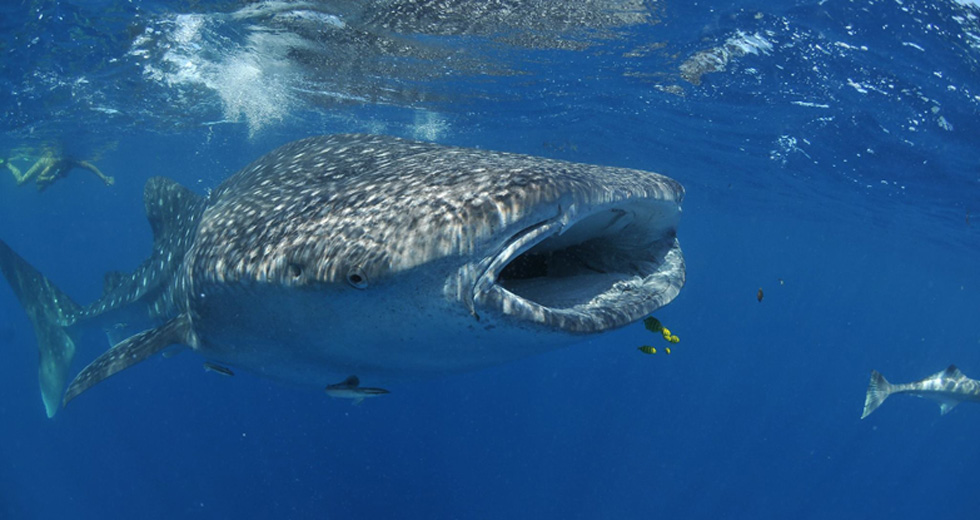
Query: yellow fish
x,y
652,324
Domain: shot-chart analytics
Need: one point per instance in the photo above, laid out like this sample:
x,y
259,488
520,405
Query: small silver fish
x,y
217,369
350,389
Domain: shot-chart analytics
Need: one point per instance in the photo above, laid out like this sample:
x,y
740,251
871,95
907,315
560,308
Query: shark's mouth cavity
x,y
598,271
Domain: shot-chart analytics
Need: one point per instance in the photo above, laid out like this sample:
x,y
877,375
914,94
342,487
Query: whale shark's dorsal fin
x,y
130,352
167,204
172,211
350,382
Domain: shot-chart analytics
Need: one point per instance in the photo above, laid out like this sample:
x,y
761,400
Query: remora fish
x,y
218,369
351,388
377,256
949,387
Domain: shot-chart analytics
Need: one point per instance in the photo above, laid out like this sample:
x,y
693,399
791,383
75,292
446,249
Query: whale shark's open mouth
x,y
589,273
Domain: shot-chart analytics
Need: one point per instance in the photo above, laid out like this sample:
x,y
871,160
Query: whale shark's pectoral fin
x,y
130,352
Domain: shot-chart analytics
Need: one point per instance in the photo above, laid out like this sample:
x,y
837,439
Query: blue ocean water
x,y
831,158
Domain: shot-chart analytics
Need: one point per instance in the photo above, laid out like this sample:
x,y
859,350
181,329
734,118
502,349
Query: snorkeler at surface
x,y
51,167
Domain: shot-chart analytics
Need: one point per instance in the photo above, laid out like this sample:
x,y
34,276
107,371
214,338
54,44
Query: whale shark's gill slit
x,y
589,258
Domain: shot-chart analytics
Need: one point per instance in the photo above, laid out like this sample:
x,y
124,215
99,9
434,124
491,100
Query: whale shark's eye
x,y
295,270
357,279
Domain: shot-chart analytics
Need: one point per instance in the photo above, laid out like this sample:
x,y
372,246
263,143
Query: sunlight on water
x,y
252,77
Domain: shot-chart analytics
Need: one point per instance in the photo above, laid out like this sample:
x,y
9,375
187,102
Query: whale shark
x,y
949,388
376,256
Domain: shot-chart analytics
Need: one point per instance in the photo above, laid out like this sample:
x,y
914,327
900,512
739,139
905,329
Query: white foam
x,y
742,44
429,126
810,104
251,76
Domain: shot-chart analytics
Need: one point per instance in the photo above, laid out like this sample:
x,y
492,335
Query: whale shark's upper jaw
x,y
589,269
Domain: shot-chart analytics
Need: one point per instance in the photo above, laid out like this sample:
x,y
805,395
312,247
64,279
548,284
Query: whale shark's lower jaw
x,y
587,271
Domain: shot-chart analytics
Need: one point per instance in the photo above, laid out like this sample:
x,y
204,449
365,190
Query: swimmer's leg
x,y
18,175
41,164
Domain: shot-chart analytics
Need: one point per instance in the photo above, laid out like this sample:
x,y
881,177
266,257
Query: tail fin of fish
x,y
878,390
51,312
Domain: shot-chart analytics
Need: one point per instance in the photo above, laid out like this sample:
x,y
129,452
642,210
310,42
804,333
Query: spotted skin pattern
x,y
270,272
310,203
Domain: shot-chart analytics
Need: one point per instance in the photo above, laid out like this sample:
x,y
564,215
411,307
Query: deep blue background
x,y
755,414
